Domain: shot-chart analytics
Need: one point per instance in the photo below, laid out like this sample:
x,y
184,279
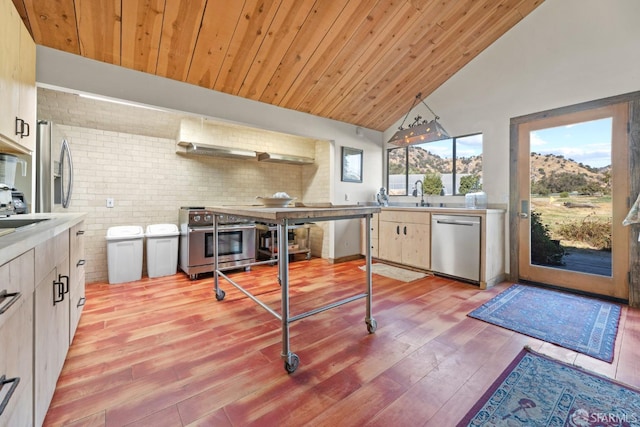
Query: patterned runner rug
x,y
536,390
394,272
586,325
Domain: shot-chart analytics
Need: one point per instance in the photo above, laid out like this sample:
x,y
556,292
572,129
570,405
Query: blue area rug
x,y
586,325
536,390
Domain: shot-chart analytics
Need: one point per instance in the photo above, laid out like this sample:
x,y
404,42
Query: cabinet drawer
x,y
16,339
17,282
406,216
16,362
51,253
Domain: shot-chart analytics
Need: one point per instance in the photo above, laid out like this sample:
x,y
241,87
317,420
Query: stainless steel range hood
x,y
284,158
217,151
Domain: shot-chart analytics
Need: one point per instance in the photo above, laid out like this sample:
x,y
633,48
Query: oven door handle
x,y
201,230
233,227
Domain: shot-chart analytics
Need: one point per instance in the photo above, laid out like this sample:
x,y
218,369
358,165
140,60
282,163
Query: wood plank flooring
x,y
164,352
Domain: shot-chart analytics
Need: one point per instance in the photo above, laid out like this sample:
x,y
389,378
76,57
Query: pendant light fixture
x,y
420,130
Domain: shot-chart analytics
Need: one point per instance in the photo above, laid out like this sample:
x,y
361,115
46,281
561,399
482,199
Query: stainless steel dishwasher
x,y
455,246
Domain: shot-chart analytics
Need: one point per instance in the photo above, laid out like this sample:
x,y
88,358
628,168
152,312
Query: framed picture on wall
x,y
351,164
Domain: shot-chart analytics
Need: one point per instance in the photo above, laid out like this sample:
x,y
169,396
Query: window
x,y
438,165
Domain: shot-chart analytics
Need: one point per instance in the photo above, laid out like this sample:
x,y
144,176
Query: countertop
x,y
445,210
296,214
26,238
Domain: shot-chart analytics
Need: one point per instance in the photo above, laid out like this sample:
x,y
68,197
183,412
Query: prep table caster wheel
x,y
291,367
372,325
220,295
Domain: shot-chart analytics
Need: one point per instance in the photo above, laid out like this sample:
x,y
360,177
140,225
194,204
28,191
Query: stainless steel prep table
x,y
283,218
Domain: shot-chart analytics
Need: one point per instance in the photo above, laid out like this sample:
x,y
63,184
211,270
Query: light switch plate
x,y
110,202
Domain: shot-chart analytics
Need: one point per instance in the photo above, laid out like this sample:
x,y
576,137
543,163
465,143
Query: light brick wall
x,y
149,181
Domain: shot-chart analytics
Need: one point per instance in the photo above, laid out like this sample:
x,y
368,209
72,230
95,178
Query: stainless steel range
x,y
236,241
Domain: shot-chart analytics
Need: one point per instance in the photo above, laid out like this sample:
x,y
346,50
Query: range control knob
x,y
207,218
196,218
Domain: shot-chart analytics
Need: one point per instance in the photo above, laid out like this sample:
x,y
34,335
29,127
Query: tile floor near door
x,y
164,352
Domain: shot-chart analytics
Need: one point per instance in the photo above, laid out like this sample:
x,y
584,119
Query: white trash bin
x,y
124,253
162,249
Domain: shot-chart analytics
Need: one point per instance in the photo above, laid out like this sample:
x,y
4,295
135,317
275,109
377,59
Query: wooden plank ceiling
x,y
357,61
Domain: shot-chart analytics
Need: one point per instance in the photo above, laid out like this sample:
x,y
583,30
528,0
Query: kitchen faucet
x,y
415,192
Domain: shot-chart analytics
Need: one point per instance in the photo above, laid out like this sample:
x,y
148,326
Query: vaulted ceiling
x,y
357,61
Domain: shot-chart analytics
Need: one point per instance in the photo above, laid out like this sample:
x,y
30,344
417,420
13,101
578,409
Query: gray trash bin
x,y
162,249
124,253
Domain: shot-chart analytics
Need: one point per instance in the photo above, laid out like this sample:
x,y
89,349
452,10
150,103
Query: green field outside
x,y
556,211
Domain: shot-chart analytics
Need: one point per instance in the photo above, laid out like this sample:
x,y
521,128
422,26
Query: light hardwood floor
x,y
164,352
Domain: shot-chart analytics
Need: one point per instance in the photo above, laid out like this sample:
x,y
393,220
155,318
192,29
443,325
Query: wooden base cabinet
x,y
51,319
16,341
405,237
76,266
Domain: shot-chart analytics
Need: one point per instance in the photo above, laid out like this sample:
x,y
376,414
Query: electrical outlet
x,y
110,202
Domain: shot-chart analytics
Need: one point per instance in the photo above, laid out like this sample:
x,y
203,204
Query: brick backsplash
x,y
149,181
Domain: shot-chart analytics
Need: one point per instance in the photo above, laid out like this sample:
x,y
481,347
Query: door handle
x,y
58,292
398,230
524,209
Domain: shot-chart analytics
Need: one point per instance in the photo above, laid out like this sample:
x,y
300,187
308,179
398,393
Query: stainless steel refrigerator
x,y
54,168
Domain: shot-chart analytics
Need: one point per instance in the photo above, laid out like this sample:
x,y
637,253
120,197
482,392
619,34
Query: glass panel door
x,y
573,184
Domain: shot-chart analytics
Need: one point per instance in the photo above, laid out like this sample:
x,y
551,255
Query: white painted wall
x,y
565,52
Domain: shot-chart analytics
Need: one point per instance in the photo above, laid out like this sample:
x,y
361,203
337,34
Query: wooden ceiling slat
x,y
247,39
424,79
387,16
290,17
141,31
99,29
381,85
444,65
409,48
180,28
314,30
53,24
218,26
331,46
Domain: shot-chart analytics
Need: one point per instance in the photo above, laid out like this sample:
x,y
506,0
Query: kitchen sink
x,y
19,222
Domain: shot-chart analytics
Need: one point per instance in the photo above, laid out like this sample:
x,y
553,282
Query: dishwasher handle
x,y
457,222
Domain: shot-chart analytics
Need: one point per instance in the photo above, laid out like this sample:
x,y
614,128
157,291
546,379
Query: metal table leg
x,y
291,360
219,292
372,325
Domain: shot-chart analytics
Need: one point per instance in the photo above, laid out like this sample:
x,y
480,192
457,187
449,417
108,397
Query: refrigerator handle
x,y
65,154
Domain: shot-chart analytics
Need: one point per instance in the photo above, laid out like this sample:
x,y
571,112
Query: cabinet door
x,y
16,340
51,339
390,241
51,318
416,248
26,80
76,266
10,48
